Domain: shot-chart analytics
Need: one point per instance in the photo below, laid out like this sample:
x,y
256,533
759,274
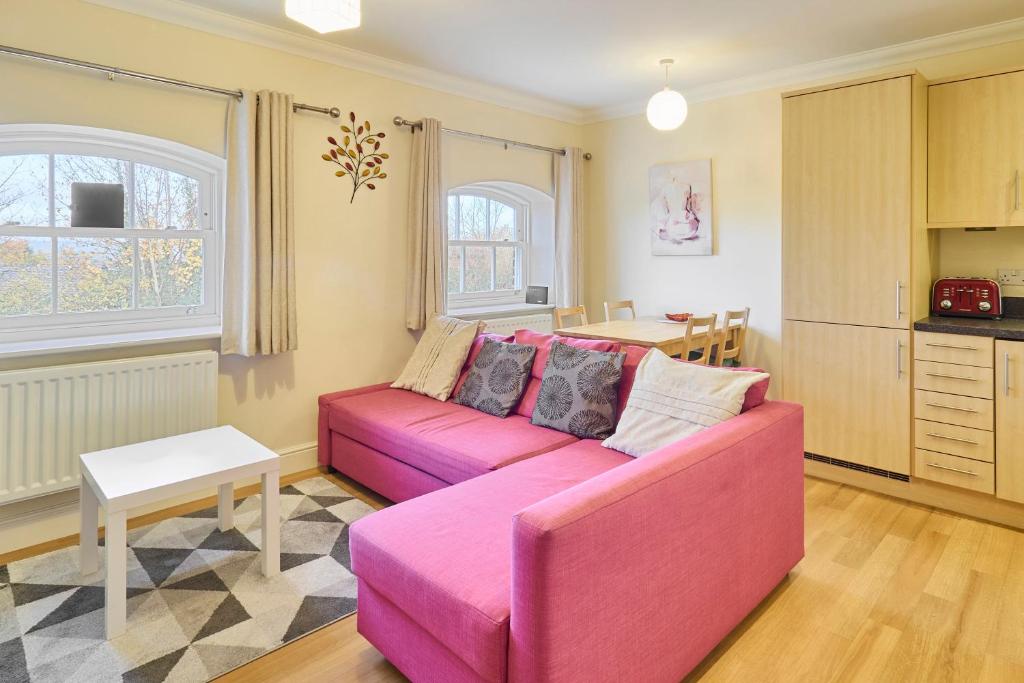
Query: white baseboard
x,y
38,520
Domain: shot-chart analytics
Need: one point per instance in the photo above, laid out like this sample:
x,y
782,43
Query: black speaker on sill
x,y
536,295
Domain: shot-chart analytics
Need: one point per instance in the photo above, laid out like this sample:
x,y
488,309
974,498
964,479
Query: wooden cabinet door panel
x,y
847,205
854,384
976,151
1010,420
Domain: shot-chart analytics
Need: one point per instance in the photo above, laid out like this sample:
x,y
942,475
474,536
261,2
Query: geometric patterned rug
x,y
198,604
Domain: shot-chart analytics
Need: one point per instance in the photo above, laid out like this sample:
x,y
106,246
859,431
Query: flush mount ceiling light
x,y
324,16
667,109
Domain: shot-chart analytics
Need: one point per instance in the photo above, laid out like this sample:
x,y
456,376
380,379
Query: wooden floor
x,y
888,591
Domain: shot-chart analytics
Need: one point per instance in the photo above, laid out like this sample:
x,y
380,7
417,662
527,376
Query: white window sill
x,y
106,341
499,311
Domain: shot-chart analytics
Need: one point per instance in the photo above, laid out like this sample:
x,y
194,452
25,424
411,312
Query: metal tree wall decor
x,y
358,153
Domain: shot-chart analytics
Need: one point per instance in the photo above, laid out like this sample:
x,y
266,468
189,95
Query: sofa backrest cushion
x,y
672,400
474,351
579,393
435,365
497,378
634,354
543,343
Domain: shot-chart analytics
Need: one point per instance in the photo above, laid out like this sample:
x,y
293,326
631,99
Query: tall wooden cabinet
x,y
854,383
976,151
852,195
1009,389
846,204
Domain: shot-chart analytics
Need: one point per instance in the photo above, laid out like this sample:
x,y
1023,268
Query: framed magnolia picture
x,y
680,209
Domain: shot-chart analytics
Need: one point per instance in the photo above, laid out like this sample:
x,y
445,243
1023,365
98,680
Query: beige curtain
x,y
569,227
425,293
259,259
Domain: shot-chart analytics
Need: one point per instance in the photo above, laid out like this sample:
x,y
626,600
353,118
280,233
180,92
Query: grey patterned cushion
x,y
496,380
579,391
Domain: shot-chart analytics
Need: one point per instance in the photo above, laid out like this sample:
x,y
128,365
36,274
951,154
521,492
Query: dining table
x,y
668,337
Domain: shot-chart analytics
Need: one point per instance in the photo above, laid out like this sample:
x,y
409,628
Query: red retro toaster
x,y
971,297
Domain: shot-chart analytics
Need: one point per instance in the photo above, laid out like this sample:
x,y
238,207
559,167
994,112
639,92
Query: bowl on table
x,y
678,317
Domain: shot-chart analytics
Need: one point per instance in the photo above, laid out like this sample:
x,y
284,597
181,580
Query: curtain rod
x,y
399,121
112,71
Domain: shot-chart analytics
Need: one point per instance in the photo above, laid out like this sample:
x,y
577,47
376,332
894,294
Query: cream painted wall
x,y
981,254
350,258
742,137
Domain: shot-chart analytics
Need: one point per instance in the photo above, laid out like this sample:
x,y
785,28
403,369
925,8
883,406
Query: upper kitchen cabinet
x,y
847,201
976,151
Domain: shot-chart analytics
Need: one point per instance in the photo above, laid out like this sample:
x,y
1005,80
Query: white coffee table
x,y
139,474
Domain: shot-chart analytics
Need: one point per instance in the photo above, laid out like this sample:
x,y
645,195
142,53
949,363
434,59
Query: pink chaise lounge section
x,y
584,564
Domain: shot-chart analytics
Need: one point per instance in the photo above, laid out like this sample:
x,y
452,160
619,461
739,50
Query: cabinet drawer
x,y
976,444
954,471
946,378
954,348
976,413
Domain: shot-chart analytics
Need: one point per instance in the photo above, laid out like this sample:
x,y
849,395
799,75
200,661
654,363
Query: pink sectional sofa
x,y
525,554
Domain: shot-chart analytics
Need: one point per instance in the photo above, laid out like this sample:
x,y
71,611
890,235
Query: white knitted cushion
x,y
671,400
438,358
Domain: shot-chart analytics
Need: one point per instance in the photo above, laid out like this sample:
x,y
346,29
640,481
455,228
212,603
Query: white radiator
x,y
539,322
49,416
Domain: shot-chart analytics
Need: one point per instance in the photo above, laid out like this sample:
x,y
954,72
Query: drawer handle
x,y
939,374
962,410
952,438
951,346
951,469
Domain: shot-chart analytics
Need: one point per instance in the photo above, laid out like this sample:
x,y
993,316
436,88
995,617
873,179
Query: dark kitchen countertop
x,y
1007,328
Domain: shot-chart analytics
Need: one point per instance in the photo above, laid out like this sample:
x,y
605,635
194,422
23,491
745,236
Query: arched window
x,y
104,233
500,239
487,239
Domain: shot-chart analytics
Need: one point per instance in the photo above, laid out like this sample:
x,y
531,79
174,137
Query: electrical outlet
x,y
1009,276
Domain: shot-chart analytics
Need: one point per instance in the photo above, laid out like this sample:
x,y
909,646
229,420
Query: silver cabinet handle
x,y
952,438
899,359
951,346
939,374
1006,373
951,469
962,410
899,300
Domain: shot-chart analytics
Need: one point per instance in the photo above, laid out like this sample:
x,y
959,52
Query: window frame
x,y
207,169
522,244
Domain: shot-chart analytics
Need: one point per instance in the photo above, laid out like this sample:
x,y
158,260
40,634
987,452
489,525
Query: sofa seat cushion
x,y
449,441
445,558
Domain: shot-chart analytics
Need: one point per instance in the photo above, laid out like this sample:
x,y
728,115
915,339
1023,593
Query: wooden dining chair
x,y
562,313
730,344
610,306
700,335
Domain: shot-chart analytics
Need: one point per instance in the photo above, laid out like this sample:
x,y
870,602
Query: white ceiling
x,y
599,54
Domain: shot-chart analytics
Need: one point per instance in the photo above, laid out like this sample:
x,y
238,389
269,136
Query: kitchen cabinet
x,y
854,384
954,443
976,151
951,470
847,204
1010,420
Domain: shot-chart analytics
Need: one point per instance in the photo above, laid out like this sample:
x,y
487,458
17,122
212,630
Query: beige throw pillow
x,y
671,400
438,358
